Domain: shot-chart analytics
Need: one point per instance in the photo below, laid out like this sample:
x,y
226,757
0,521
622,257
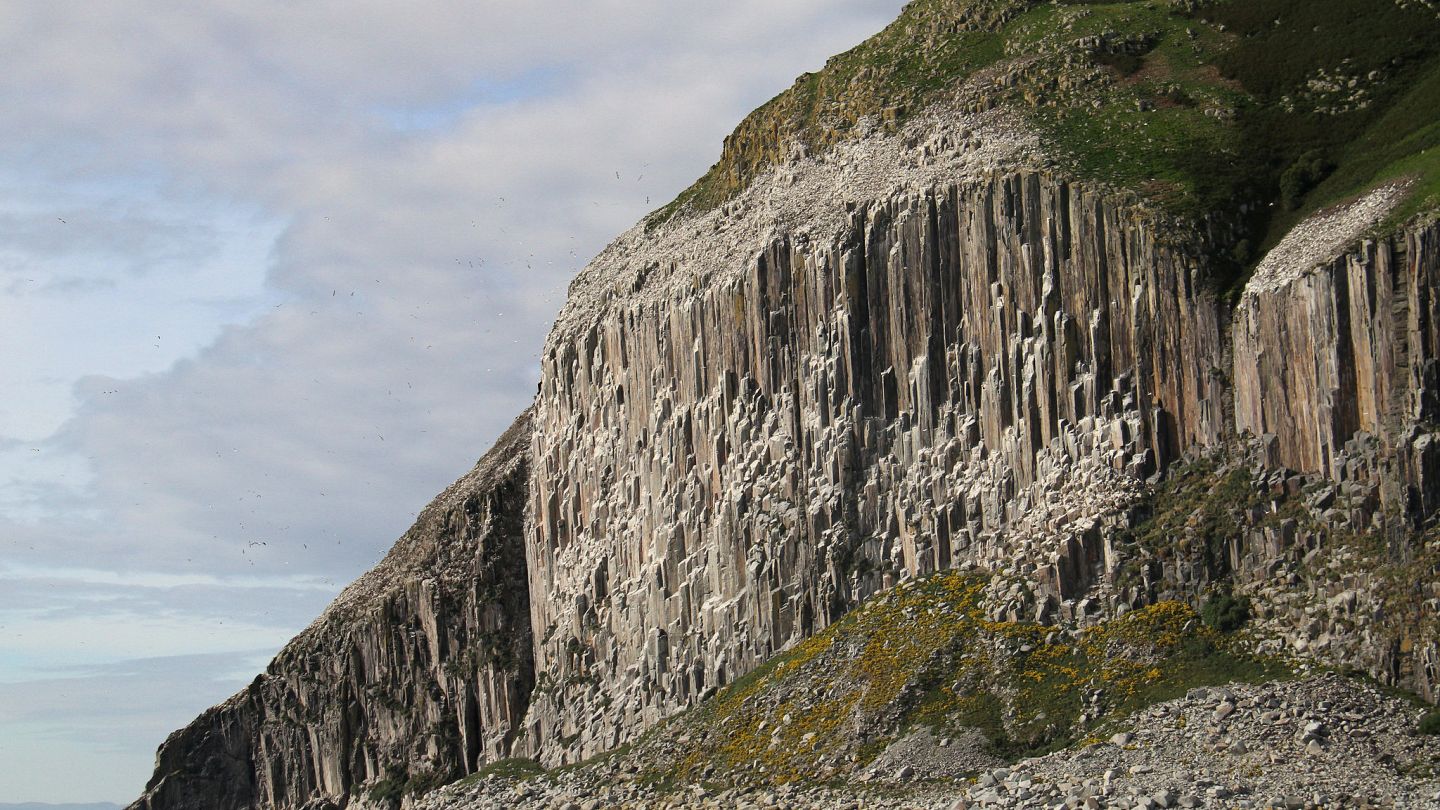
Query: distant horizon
x,y
63,806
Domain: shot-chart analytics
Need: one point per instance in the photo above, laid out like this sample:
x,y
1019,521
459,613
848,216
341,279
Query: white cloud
x,y
349,225
67,256
85,732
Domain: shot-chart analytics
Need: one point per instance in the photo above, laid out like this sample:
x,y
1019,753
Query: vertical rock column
x,y
1349,347
1337,369
969,374
420,670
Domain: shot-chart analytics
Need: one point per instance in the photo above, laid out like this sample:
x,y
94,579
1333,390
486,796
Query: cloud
x,y
69,253
89,732
309,253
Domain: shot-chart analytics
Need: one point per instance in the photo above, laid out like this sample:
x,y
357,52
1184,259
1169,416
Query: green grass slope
x,y
1256,111
924,653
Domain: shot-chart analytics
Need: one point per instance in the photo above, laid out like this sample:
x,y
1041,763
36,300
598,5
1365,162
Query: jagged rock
x,y
1385,766
422,666
701,510
951,372
1340,348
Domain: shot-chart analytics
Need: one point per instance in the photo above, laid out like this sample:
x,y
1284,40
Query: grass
x,y
389,790
892,75
1217,111
1399,570
1226,612
1430,722
1385,138
1201,109
925,654
514,768
1199,510
1195,513
1194,657
1146,121
399,783
930,653
1404,142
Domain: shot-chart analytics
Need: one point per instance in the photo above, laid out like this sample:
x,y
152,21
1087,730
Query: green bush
x,y
1430,723
1225,612
1303,175
388,790
1242,252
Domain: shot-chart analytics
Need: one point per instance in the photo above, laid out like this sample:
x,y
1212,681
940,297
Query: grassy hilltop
x,y
1259,111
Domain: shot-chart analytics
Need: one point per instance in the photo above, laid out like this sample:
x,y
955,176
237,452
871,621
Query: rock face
x,y
972,370
1323,742
969,373
1347,347
1335,367
752,420
418,671
921,351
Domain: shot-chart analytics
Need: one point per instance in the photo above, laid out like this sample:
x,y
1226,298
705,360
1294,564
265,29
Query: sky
x,y
275,272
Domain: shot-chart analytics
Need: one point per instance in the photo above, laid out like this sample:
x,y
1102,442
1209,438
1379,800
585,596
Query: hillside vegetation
x,y
925,655
1259,111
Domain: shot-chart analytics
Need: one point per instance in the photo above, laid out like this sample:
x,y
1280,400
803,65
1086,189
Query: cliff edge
x,y
414,676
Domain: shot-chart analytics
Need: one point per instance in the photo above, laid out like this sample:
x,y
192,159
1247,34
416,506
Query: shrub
x,y
1303,175
1225,612
1430,723
1242,252
389,790
516,768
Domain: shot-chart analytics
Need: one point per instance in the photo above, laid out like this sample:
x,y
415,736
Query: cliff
x,y
974,370
976,366
1032,292
1345,348
415,675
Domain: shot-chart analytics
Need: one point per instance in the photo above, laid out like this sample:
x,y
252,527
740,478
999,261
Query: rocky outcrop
x,y
898,358
1275,745
212,761
415,675
1343,347
1321,742
974,371
1335,370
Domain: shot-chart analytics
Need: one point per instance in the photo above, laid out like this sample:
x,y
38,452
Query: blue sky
x,y
272,274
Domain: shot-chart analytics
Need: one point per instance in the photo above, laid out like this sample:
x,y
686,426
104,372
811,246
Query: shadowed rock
x,y
418,671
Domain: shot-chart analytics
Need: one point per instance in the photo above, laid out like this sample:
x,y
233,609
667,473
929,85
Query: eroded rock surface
x,y
418,671
1345,346
921,351
1324,742
983,369
751,421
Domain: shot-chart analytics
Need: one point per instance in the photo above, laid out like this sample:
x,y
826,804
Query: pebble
x,y
1176,766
